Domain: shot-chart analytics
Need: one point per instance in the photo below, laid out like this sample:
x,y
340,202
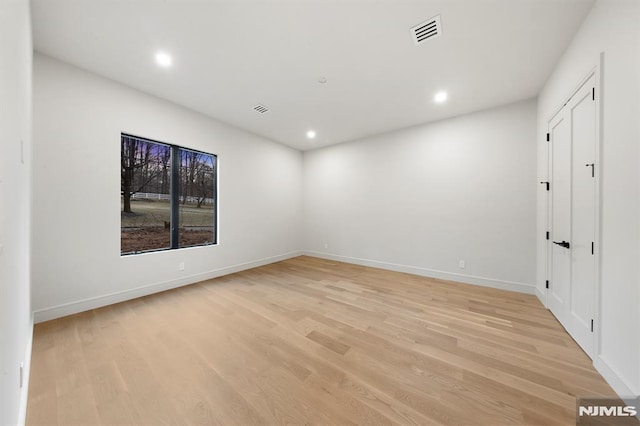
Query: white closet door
x,y
573,213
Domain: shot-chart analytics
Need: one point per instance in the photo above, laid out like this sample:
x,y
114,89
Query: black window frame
x,y
174,195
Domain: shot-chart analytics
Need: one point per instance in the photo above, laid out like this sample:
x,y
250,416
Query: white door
x,y
560,178
571,295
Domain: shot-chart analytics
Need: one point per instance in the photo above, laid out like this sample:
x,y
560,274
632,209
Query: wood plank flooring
x,y
311,341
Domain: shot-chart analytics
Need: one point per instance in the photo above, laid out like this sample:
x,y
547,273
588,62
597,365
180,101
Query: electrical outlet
x,y
463,264
326,245
181,266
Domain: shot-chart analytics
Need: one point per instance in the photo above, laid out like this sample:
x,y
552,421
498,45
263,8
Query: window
x,y
167,196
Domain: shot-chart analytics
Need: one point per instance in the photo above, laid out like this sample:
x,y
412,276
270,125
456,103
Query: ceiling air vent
x,y
426,30
261,108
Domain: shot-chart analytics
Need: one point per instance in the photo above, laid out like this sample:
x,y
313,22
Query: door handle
x,y
593,169
563,243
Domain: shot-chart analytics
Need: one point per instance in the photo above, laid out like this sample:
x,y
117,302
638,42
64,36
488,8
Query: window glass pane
x,y
197,198
144,200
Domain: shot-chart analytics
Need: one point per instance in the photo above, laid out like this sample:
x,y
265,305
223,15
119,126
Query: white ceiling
x,y
230,55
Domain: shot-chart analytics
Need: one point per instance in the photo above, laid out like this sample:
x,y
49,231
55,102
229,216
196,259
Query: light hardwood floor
x,y
310,341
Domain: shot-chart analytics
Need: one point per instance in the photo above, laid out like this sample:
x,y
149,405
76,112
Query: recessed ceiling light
x,y
163,59
440,97
322,80
311,134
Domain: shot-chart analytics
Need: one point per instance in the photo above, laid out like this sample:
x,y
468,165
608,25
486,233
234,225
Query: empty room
x,y
261,212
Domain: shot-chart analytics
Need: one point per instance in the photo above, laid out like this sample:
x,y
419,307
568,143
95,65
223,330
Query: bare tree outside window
x,y
197,183
139,160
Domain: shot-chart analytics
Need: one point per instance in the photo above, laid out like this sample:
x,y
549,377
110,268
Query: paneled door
x,y
572,211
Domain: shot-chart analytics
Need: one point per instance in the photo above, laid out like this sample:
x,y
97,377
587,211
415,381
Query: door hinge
x,y
592,247
548,137
547,235
547,284
592,326
545,183
593,93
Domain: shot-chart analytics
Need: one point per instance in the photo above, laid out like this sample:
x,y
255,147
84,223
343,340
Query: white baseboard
x,y
615,380
26,372
431,273
71,308
541,295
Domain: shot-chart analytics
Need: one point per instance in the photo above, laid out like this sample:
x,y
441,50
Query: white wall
x,y
613,27
78,118
423,198
15,129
